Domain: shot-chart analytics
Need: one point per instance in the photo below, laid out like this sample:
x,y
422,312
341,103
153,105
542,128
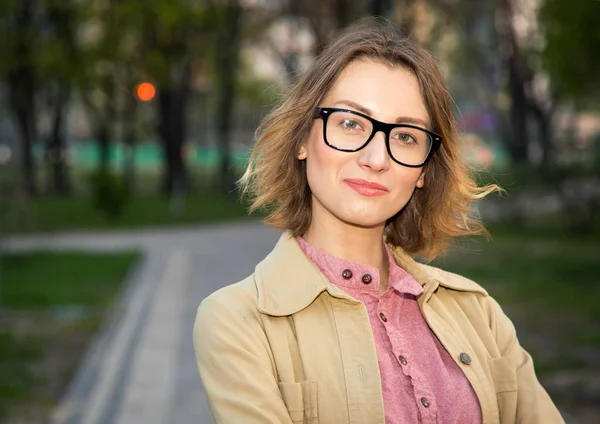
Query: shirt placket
x,y
389,311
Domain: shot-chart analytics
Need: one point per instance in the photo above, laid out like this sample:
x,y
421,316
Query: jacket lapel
x,y
288,282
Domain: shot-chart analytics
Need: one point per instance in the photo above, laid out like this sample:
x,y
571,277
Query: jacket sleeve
x,y
533,404
234,364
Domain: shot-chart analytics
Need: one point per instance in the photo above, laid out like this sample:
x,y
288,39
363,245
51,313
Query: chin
x,y
363,220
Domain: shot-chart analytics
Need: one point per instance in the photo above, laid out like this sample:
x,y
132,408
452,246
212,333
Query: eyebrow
x,y
367,111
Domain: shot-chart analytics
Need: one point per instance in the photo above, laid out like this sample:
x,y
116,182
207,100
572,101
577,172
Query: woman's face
x,y
342,182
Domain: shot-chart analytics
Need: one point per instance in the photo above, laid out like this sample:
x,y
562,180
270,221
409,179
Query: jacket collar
x,y
288,282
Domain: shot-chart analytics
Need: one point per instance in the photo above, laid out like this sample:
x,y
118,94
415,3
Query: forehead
x,y
388,92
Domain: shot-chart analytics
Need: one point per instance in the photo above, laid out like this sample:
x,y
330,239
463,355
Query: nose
x,y
375,155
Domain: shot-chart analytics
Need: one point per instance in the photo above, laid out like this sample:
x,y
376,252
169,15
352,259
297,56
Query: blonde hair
x,y
277,181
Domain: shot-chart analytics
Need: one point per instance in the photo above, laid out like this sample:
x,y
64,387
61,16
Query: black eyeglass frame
x,y
325,112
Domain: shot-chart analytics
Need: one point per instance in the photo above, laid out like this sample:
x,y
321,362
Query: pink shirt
x,y
420,381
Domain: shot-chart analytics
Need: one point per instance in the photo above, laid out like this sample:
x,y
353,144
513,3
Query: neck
x,y
349,242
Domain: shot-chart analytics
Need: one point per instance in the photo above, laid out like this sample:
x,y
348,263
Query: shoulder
x,y
452,281
234,301
230,312
457,291
463,296
228,323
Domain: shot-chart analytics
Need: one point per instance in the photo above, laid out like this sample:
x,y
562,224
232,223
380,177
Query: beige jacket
x,y
287,346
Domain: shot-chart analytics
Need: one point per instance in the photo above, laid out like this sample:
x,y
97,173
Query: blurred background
x,y
124,125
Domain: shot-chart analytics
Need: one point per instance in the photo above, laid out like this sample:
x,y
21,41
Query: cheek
x,y
407,178
406,182
322,161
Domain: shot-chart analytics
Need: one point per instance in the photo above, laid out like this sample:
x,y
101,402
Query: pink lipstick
x,y
366,188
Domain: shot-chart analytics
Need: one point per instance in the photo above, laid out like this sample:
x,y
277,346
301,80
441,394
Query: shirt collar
x,y
358,277
287,281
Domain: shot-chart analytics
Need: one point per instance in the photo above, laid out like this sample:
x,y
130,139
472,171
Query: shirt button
x,y
465,358
347,274
383,317
366,279
425,402
403,360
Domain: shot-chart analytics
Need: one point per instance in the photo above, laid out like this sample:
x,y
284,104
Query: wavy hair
x,y
277,181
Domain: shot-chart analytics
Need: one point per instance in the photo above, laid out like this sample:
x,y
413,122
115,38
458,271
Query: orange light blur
x,y
145,91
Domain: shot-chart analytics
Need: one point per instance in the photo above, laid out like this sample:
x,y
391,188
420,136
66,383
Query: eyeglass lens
x,y
348,131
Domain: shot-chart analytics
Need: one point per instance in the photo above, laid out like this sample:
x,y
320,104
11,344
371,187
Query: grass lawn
x,y
51,304
45,214
548,282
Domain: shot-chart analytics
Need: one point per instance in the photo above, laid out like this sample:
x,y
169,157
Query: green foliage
x,y
171,35
572,40
46,279
109,193
51,55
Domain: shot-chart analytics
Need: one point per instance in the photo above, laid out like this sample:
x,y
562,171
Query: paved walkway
x,y
141,368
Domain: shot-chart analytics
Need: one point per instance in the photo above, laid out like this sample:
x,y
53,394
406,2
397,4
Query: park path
x,y
141,368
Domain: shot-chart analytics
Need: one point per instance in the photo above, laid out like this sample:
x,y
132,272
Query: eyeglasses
x,y
349,131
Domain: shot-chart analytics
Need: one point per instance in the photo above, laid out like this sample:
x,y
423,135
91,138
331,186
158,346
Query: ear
x,y
421,180
302,153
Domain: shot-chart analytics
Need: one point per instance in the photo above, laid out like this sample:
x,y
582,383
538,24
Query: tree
x,y
494,59
518,75
570,50
129,119
524,71
177,35
59,72
103,55
228,51
18,35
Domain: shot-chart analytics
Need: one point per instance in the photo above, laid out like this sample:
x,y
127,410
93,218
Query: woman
x,y
360,168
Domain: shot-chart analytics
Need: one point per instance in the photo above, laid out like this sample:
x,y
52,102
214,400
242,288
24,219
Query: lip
x,y
366,188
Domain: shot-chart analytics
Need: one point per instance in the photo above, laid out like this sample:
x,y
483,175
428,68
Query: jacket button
x,y
383,317
465,358
425,402
367,278
347,274
403,360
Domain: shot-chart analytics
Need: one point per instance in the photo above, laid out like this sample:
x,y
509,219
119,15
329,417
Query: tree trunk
x,y
56,149
104,145
172,103
227,64
129,140
22,92
518,146
106,117
62,19
519,143
25,119
545,133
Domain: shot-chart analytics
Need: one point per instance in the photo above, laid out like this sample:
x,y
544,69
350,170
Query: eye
x,y
405,138
350,124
